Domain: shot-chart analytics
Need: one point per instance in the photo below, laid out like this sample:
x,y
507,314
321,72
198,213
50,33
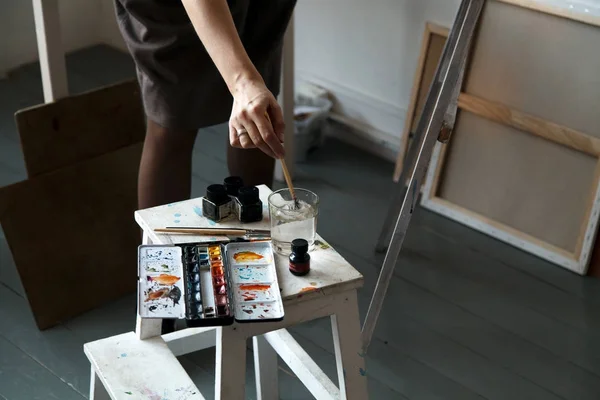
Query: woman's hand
x,y
256,119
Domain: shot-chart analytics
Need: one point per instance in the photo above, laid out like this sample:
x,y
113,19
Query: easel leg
x,y
352,374
97,389
266,369
230,364
442,92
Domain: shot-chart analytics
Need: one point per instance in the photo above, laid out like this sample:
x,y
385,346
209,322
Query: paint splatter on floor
x,y
177,215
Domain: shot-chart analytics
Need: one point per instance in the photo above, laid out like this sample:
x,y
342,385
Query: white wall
x,y
18,44
365,53
108,29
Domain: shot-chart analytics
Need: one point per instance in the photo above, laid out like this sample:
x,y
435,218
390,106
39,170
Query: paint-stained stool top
x,y
329,272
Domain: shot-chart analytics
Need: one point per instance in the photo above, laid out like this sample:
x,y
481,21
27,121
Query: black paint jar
x,y
216,205
232,185
299,258
248,206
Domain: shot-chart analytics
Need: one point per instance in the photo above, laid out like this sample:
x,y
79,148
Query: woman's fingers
x,y
234,139
276,115
238,136
267,133
255,135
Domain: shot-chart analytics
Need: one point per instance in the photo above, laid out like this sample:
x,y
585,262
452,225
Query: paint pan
x,y
161,283
216,283
256,294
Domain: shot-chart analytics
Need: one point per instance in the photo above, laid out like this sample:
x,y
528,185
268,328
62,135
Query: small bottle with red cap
x,y
299,258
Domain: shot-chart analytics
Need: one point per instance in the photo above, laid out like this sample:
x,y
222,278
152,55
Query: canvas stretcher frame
x,y
577,259
427,61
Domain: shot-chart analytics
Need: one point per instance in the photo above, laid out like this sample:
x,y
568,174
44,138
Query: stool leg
x,y
265,369
230,364
97,389
345,326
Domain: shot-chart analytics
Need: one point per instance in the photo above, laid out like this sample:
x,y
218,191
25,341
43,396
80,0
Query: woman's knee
x,y
169,139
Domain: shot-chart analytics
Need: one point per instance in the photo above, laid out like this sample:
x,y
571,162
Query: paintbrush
x,y
288,180
215,231
286,174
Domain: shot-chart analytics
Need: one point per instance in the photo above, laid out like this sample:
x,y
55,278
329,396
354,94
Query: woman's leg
x,y
165,173
252,165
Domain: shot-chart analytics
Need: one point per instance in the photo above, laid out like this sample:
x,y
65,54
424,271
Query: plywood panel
x,y
80,127
528,183
73,236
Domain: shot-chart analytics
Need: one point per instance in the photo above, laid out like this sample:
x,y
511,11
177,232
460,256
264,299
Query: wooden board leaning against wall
x,y
432,46
522,165
70,225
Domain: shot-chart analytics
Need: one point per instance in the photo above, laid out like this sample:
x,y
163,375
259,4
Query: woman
x,y
201,63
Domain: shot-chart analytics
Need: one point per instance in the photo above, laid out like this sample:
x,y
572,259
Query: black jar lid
x,y
299,246
248,195
232,184
217,194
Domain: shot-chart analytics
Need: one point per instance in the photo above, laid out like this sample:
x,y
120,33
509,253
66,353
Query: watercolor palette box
x,y
209,284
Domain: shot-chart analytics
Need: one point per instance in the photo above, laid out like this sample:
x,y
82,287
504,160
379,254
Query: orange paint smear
x,y
255,287
307,289
247,256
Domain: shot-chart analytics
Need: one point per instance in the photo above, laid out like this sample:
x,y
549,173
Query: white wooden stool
x,y
329,290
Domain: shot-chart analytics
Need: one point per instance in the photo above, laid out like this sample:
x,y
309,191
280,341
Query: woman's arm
x,y
214,25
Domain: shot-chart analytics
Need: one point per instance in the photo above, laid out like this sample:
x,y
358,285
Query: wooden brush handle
x,y
203,231
288,179
286,173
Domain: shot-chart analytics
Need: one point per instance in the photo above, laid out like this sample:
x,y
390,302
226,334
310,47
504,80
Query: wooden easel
x,y
435,124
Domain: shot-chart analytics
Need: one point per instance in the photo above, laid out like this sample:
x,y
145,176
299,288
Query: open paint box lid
x,y
209,284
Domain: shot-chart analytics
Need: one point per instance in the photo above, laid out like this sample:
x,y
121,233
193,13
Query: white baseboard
x,y
364,137
374,124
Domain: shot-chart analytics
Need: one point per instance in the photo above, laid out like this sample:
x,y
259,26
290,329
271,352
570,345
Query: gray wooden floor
x,y
466,317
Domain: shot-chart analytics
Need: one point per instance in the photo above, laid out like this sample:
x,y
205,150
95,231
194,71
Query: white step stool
x,y
329,290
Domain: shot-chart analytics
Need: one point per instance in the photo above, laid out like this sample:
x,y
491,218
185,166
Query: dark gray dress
x,y
181,87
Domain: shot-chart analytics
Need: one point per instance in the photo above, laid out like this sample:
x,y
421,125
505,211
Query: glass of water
x,y
288,222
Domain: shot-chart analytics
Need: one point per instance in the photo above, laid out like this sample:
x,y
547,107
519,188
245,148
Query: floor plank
x,y
23,378
587,289
57,350
392,366
509,350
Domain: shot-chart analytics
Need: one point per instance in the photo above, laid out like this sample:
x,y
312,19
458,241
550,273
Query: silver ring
x,y
242,132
